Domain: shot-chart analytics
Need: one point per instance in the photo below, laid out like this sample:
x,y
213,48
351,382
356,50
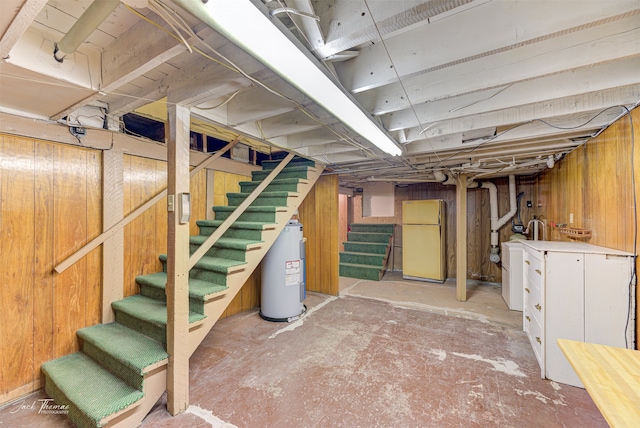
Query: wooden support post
x,y
178,263
461,238
113,247
210,215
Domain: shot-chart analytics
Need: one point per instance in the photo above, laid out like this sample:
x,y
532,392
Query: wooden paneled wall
x,y
50,206
595,184
146,237
478,222
319,217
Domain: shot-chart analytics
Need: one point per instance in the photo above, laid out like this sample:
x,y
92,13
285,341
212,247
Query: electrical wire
x,y
633,279
471,150
232,66
395,70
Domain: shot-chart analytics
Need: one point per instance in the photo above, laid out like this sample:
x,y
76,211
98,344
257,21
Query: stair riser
x,y
269,165
75,414
372,274
362,259
365,248
226,253
277,187
372,228
114,366
253,234
260,201
368,237
248,216
158,333
261,175
159,294
207,275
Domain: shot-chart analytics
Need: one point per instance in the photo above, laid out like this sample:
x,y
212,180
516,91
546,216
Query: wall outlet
x,y
571,218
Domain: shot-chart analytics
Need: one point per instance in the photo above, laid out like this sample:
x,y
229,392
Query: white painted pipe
x,y
497,223
91,19
443,178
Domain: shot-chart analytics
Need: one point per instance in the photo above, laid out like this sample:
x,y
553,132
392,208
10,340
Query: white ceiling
x,y
489,88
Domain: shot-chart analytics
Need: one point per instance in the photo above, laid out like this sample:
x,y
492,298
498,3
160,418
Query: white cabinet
x,y
575,291
512,274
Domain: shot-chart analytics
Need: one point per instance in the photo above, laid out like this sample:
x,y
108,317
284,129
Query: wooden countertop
x,y
611,376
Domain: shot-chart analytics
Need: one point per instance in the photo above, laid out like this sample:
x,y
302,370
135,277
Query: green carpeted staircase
x,y
121,370
366,251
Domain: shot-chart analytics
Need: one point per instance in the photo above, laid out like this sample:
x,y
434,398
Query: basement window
x,y
141,126
378,200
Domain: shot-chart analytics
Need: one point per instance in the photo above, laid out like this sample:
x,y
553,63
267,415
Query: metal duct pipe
x,y
84,26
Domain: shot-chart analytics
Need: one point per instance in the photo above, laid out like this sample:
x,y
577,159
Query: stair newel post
x,y
177,289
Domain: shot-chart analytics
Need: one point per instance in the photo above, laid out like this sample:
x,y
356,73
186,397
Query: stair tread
x,y
372,233
274,181
237,225
150,310
198,289
379,244
265,194
359,253
128,346
215,264
362,266
251,208
96,392
231,243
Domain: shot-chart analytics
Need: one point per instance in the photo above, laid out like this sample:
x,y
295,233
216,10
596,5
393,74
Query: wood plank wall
x,y
478,221
50,206
319,217
594,183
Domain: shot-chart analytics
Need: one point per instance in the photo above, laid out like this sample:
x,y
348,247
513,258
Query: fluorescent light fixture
x,y
245,24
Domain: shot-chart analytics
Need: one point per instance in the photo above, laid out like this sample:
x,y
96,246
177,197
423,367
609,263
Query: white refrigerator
x,y
423,240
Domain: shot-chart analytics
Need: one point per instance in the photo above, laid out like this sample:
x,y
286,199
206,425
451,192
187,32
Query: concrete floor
x,y
392,353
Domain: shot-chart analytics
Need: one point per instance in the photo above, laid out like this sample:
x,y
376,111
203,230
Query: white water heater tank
x,y
283,276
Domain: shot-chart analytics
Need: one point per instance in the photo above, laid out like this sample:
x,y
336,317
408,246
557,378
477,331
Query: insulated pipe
x,y
95,15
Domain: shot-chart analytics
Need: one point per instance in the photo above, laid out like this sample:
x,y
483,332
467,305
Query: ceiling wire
x,y
404,90
232,66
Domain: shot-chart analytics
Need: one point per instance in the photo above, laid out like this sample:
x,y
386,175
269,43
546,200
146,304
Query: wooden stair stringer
x,y
215,307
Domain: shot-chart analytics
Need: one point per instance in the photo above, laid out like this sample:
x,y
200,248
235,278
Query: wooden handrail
x,y
220,230
69,261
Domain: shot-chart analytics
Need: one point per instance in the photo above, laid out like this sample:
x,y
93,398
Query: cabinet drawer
x,y
534,272
534,333
536,310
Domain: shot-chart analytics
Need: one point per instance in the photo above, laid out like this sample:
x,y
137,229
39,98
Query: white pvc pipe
x,y
95,15
497,223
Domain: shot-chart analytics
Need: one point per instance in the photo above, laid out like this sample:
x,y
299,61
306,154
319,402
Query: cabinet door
x,y
607,308
563,311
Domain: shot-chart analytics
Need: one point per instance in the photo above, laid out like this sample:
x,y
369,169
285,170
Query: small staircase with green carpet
x,y
121,371
366,251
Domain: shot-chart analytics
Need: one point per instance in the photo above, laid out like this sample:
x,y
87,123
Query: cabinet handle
x,y
539,272
527,290
527,262
527,317
538,307
538,340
